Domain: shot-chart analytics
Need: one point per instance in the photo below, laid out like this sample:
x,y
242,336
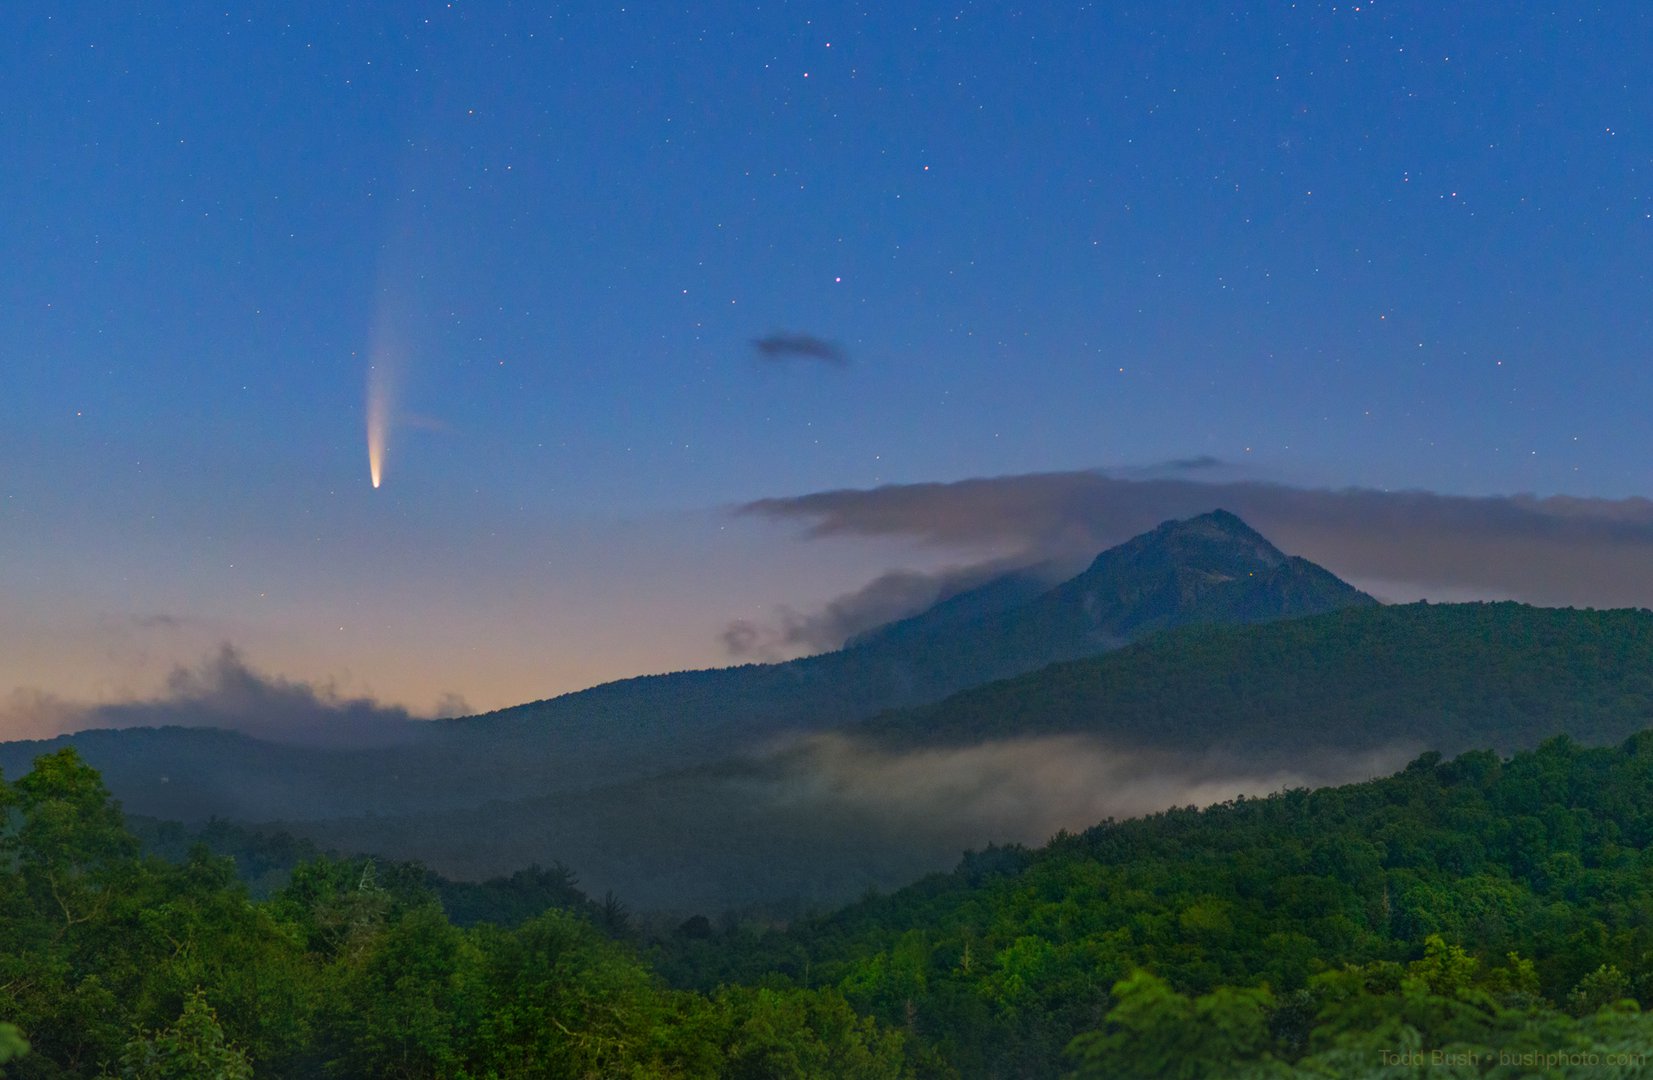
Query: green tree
x,y
562,1000
193,1048
401,1007
1154,1032
1604,987
66,864
804,1035
70,840
12,1044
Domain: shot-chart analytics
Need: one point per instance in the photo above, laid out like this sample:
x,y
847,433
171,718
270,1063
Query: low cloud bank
x,y
1404,545
224,691
887,598
1025,790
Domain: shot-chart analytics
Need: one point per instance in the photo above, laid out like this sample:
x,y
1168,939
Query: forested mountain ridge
x,y
1472,906
114,964
1493,916
1210,568
1250,702
1207,568
1209,710
1446,676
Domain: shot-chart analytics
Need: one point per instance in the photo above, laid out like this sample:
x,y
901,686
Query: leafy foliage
x,y
191,1049
1475,916
267,860
1482,904
12,1044
113,963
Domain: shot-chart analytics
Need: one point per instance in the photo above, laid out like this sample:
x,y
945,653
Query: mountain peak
x,y
1209,568
1223,520
1212,568
1220,523
1218,539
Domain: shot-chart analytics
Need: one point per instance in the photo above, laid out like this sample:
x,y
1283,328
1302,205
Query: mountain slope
x,y
1448,676
1192,715
1002,593
1532,868
1209,567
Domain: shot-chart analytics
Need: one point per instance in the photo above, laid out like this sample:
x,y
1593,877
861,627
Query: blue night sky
x,y
1402,247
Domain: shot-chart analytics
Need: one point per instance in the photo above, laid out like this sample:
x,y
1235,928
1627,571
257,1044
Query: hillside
x,y
1194,715
1210,568
1476,907
114,961
1448,676
1207,568
1478,903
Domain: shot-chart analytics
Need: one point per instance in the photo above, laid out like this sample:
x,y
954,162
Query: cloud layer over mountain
x,y
1400,545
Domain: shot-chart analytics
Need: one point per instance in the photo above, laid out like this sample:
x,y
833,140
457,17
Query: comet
x,y
378,419
387,357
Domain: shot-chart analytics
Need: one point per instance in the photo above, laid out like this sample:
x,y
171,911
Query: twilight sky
x,y
615,271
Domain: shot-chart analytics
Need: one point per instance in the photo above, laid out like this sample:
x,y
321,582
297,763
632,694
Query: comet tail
x,y
378,420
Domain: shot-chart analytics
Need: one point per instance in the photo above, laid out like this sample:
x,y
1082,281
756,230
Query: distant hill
x,y
1208,569
1446,676
1196,713
1211,567
962,610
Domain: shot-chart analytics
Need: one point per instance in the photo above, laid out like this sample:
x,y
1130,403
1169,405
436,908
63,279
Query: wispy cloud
x,y
1199,463
1399,544
224,691
159,621
1027,789
888,597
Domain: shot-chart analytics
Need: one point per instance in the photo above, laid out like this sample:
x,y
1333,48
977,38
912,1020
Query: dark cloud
x,y
888,597
1399,544
784,346
1201,463
748,639
223,691
1203,467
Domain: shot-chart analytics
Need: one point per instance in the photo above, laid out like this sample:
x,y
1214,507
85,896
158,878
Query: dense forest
x,y
1447,677
1497,912
1477,905
117,964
